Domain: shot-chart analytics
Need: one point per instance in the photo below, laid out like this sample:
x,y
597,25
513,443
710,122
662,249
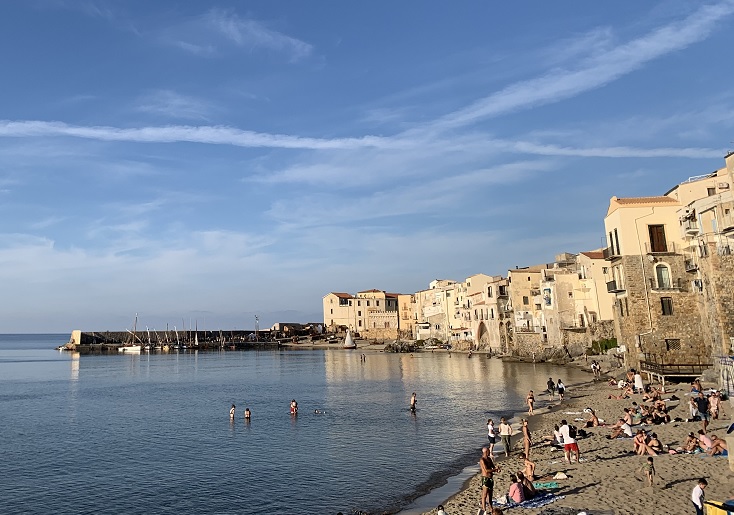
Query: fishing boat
x,y
349,342
131,347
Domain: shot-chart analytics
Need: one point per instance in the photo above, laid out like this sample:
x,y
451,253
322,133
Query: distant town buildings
x,y
663,287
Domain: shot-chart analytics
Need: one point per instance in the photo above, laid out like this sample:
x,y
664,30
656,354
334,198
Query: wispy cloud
x,y
171,104
221,31
594,71
251,34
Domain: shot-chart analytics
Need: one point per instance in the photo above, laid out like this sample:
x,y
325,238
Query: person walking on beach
x,y
551,387
491,436
530,399
561,389
698,497
412,402
505,434
649,469
488,469
702,405
526,439
231,412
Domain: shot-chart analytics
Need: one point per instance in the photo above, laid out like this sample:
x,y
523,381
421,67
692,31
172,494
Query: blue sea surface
x,y
151,433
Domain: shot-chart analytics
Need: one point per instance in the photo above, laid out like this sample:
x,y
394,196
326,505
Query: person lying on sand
x,y
624,395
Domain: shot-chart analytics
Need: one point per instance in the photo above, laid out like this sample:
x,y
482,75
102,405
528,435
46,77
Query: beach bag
x,y
572,432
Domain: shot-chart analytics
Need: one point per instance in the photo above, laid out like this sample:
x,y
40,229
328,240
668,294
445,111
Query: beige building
x,y
657,317
433,309
370,313
707,230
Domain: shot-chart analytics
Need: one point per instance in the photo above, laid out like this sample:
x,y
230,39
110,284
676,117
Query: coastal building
x,y
369,313
657,315
707,230
525,302
406,316
433,308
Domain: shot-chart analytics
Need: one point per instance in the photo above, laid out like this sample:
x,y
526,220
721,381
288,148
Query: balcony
x,y
613,288
690,228
610,254
667,248
691,265
674,285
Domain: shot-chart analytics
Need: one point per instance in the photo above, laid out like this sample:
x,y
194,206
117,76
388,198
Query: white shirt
x,y
626,429
564,434
697,496
490,429
638,382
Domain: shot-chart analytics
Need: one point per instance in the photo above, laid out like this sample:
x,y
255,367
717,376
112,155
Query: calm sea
x,y
151,433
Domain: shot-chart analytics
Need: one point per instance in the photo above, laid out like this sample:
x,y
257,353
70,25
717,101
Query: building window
x,y
359,303
359,313
616,240
525,300
350,302
491,310
537,306
344,302
662,273
368,303
489,292
570,295
387,325
626,306
605,269
377,302
672,344
331,311
360,323
667,305
374,325
710,191
657,238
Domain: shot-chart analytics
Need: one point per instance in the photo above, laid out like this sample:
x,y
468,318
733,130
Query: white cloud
x,y
175,105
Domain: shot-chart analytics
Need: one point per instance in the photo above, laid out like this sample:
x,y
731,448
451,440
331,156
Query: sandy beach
x,y
608,479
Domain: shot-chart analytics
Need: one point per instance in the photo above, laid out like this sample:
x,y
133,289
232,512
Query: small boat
x,y
131,349
349,342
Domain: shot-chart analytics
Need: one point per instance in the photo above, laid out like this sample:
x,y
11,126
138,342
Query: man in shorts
x,y
569,443
702,403
488,469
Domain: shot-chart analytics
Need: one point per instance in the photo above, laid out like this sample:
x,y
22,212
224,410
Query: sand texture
x,y
608,479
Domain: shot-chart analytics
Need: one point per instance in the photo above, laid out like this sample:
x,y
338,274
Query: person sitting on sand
x,y
704,442
624,395
529,469
691,443
660,417
655,444
527,486
621,429
640,444
440,510
594,420
718,446
696,386
516,491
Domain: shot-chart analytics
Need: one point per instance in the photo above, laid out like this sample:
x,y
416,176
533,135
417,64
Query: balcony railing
x,y
691,265
690,228
674,285
609,253
668,248
613,288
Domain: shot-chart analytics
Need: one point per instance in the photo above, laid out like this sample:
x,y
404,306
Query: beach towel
x,y
545,485
535,502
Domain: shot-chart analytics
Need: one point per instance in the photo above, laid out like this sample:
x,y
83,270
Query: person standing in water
x,y
412,402
247,413
551,387
231,412
294,407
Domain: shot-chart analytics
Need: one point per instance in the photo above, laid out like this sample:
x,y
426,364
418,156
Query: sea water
x,y
151,433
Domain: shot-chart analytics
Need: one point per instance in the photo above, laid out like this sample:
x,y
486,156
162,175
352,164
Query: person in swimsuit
x,y
526,438
294,407
530,399
247,413
231,412
491,436
412,402
488,469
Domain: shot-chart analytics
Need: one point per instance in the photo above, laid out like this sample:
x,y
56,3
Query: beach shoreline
x,y
608,479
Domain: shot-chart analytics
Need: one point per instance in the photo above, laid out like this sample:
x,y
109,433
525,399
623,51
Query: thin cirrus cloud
x,y
220,31
171,104
595,71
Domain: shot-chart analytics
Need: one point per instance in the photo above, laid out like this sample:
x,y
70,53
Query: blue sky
x,y
209,161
